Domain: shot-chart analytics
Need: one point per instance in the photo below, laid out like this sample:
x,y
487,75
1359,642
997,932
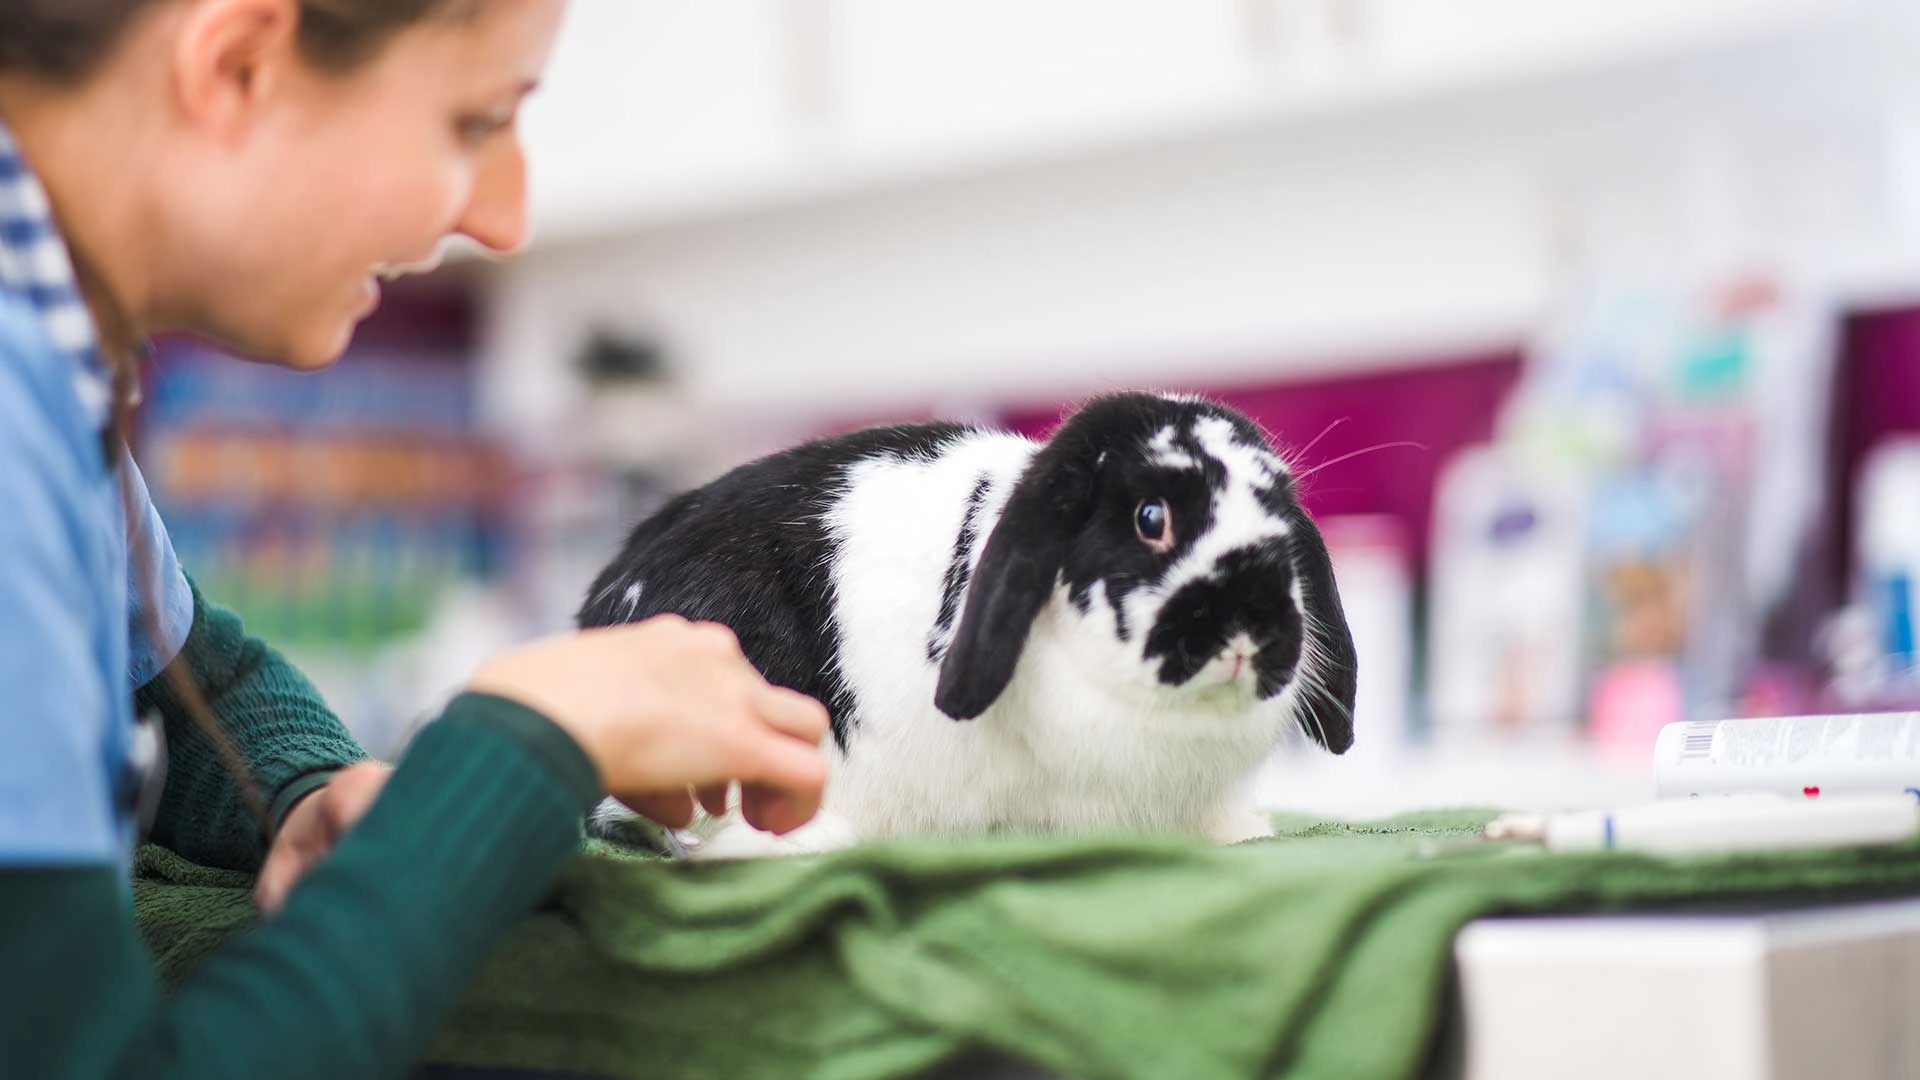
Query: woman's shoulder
x,y
24,344
41,418
28,360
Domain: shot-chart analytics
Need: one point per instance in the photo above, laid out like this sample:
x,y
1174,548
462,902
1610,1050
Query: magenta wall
x,y
1878,398
1442,406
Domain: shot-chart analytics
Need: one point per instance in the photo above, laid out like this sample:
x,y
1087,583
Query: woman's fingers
x,y
672,713
775,811
787,772
674,809
793,713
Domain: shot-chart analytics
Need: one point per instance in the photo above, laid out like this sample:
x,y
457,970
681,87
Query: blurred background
x,y
1601,319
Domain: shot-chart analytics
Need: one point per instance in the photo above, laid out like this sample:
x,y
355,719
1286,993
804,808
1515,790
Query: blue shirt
x,y
73,640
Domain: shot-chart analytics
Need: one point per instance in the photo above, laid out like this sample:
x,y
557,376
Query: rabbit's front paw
x,y
1240,823
735,839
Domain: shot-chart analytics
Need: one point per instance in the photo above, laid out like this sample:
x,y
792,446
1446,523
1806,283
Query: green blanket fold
x,y
1322,953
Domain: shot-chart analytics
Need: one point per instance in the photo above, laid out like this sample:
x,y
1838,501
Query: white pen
x,y
1723,824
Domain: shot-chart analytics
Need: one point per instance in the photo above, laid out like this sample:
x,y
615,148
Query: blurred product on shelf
x,y
1510,542
1640,545
1888,541
348,515
332,507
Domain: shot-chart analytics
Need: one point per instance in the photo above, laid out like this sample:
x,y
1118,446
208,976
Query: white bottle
x,y
1888,551
1803,756
1509,551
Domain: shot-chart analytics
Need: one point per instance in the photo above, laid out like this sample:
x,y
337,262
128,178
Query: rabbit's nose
x,y
1237,654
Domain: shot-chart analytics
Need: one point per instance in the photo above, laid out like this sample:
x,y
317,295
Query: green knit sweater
x,y
291,741
356,974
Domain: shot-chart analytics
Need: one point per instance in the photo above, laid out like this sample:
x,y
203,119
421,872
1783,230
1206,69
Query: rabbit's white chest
x,y
1063,750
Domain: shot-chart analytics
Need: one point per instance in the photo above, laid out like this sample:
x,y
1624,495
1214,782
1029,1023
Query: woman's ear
x,y
231,55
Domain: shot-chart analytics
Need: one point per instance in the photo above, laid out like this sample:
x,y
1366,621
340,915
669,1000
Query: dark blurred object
x,y
614,358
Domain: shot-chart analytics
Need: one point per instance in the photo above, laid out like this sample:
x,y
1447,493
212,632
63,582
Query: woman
x,y
246,170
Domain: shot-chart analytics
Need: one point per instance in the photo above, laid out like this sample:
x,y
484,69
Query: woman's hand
x,y
312,828
667,707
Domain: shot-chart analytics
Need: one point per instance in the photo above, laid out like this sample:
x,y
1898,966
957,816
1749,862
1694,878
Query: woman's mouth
x,y
387,273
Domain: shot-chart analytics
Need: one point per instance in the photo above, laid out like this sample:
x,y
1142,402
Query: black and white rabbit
x,y
1111,630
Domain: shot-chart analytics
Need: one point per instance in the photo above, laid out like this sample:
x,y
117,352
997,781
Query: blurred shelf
x,y
623,192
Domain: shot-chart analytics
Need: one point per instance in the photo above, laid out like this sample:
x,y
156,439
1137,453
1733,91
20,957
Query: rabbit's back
x,y
753,550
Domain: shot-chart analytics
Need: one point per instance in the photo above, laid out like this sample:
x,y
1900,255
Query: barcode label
x,y
1697,743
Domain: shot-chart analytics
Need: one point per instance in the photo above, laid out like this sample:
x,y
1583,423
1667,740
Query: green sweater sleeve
x,y
355,975
282,727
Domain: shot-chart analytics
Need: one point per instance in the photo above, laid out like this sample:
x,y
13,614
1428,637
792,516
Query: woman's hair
x,y
63,42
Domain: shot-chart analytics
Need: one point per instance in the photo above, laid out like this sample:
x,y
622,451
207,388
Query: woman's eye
x,y
479,127
1154,524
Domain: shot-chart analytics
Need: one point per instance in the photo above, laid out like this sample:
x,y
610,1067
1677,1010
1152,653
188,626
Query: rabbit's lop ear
x,y
1329,669
1016,574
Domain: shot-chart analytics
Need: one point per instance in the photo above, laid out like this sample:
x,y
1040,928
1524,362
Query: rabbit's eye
x,y
1154,524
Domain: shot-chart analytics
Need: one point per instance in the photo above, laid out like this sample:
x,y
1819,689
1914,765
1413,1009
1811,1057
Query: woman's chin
x,y
312,349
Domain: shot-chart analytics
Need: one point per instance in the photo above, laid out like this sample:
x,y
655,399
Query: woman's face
x,y
286,223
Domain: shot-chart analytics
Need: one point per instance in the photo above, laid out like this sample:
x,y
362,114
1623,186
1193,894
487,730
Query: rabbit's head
x,y
1169,530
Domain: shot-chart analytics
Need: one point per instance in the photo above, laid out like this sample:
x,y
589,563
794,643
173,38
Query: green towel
x,y
1322,953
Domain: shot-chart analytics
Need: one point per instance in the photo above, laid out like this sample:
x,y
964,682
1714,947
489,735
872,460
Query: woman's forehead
x,y
499,48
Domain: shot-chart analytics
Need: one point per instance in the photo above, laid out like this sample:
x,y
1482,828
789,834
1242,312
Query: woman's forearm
x,y
356,974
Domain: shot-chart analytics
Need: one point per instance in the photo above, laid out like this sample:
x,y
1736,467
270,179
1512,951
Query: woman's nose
x,y
496,215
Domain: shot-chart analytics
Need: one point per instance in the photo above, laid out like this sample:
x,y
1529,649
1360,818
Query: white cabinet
x,y
642,93
923,70
1421,33
657,111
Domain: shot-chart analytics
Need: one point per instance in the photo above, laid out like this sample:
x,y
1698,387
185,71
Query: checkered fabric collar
x,y
34,264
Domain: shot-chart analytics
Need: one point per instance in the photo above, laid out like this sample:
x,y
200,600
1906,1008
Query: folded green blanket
x,y
1322,953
